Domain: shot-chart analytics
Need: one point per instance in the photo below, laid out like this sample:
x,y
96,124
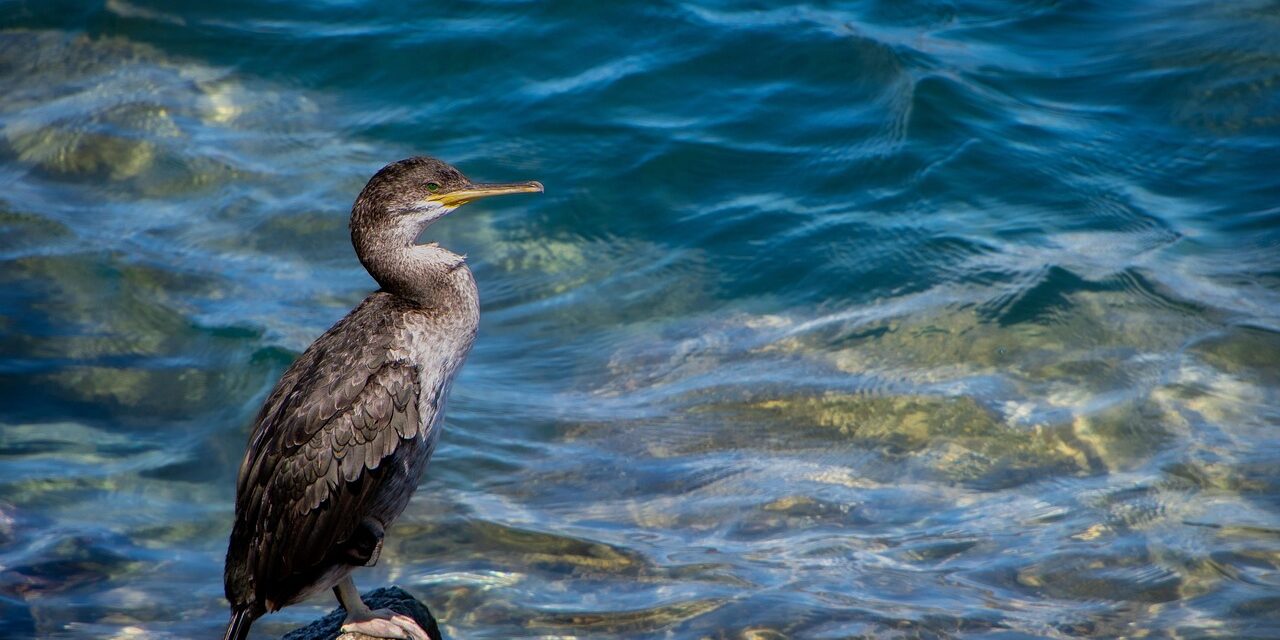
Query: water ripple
x,y
918,320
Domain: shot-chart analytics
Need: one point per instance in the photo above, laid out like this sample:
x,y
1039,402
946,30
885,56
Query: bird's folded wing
x,y
342,420
310,497
317,496
348,382
356,439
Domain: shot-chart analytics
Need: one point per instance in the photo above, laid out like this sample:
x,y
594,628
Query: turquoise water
x,y
843,319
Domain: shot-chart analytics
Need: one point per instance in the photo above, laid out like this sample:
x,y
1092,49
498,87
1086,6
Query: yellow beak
x,y
459,197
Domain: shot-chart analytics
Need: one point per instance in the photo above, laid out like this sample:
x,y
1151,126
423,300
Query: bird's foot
x,y
385,623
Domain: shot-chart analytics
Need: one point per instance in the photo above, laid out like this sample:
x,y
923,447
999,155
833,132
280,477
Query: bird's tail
x,y
241,620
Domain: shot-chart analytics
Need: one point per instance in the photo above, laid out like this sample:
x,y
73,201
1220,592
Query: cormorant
x,y
342,441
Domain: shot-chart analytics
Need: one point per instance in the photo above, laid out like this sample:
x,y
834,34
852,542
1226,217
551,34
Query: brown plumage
x,y
342,441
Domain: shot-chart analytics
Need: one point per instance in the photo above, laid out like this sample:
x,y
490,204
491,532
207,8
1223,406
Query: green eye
x,y
433,187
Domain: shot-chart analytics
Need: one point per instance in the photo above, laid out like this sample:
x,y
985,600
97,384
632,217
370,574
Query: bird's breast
x,y
437,345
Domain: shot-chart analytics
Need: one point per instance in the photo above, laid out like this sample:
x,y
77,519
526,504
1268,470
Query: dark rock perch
x,y
393,598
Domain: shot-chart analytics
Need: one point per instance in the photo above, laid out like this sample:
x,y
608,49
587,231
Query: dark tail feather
x,y
241,620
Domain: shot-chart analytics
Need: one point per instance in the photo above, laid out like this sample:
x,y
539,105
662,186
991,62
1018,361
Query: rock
x,y
393,598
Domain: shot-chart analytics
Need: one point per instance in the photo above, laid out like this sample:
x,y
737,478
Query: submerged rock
x,y
393,598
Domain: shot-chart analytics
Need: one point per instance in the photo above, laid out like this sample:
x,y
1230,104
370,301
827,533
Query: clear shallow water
x,y
836,320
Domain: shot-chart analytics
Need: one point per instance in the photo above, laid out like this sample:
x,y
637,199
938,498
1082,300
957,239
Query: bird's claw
x,y
385,623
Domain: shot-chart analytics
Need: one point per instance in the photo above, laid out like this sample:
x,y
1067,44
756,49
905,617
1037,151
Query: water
x,y
844,319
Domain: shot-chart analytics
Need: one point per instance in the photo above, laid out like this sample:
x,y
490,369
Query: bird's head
x,y
404,197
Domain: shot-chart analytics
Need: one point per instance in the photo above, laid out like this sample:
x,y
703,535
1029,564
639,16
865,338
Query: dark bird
x,y
342,441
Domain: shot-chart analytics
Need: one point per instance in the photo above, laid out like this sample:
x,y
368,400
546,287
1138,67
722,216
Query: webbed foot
x,y
384,623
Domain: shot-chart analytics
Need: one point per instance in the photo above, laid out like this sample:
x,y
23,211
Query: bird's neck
x,y
427,274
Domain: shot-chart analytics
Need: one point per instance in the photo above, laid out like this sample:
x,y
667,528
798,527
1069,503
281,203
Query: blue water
x,y
842,319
